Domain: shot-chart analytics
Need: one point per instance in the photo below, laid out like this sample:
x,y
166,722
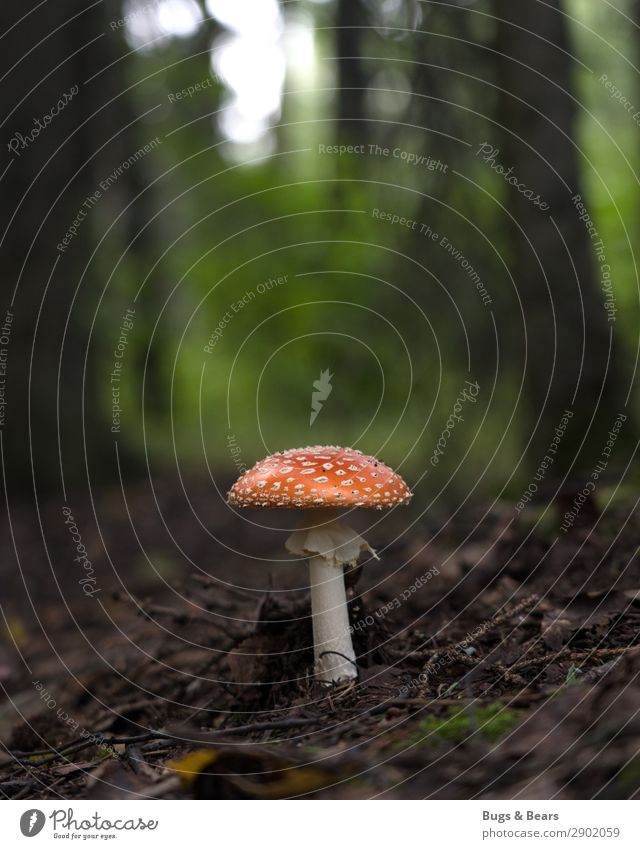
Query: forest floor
x,y
498,659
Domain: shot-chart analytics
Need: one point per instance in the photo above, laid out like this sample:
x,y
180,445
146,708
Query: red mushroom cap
x,y
319,476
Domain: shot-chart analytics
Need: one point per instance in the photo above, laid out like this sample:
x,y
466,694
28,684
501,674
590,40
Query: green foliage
x,y
491,721
388,312
572,675
608,142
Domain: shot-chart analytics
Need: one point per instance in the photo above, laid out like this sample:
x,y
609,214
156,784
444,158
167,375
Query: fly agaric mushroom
x,y
320,480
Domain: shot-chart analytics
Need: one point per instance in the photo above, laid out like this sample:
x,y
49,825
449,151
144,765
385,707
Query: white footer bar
x,y
370,824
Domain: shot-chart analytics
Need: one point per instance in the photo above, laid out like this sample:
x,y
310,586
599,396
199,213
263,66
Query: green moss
x,y
572,675
490,721
106,752
39,758
629,778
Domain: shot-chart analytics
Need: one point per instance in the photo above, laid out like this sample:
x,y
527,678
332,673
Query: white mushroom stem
x,y
335,659
330,545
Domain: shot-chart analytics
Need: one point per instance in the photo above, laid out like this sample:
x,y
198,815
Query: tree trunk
x,y
351,18
573,359
55,120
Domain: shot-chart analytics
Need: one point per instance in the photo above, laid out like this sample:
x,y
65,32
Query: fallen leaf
x,y
226,773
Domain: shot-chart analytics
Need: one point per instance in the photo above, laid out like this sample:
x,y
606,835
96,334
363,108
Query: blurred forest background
x,y
191,167
231,227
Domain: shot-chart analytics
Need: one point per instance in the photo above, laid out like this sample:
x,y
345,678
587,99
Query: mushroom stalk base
x,y
329,545
334,654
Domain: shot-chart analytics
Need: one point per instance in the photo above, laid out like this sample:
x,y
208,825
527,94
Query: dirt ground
x,y
498,656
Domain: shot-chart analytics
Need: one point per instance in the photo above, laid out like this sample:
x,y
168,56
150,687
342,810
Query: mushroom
x,y
320,480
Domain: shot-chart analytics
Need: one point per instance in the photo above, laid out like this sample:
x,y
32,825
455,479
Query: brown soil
x,y
497,659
